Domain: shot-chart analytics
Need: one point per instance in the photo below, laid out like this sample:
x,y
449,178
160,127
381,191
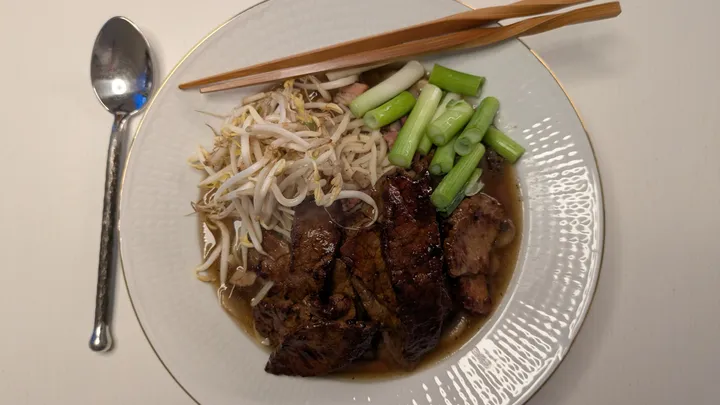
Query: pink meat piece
x,y
348,93
391,132
390,137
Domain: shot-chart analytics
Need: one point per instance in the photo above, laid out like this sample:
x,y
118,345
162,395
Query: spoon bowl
x,y
121,71
121,68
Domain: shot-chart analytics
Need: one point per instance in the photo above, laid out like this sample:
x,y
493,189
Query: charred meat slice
x,y
321,348
309,316
471,233
275,317
275,265
315,240
361,252
314,336
340,304
421,164
337,306
474,294
413,256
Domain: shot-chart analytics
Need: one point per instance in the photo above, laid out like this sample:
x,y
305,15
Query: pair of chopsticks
x,y
459,31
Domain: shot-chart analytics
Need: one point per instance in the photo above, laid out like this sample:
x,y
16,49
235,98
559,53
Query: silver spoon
x,y
121,71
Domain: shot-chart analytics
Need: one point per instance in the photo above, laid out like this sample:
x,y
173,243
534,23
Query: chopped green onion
x,y
462,194
457,82
388,88
425,145
425,142
475,185
447,211
443,159
503,145
455,181
390,111
478,125
442,129
449,97
414,129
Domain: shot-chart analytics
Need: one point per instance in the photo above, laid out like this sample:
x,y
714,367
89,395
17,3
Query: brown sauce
x,y
503,188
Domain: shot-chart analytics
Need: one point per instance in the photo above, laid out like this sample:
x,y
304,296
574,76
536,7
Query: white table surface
x,y
647,85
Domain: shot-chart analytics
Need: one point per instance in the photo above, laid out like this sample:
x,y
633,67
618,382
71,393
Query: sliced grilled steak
x,y
309,315
421,164
340,304
362,255
321,348
337,306
276,264
474,294
413,256
315,240
471,233
275,317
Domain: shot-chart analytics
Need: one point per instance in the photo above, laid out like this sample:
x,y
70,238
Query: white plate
x,y
516,350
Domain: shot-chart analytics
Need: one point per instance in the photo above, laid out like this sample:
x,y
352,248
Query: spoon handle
x,y
101,339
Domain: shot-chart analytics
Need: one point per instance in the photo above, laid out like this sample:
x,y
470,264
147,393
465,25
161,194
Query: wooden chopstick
x,y
537,25
470,38
453,23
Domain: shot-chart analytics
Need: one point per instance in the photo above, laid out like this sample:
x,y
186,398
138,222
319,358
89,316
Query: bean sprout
x,y
318,86
273,152
261,294
224,250
335,84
